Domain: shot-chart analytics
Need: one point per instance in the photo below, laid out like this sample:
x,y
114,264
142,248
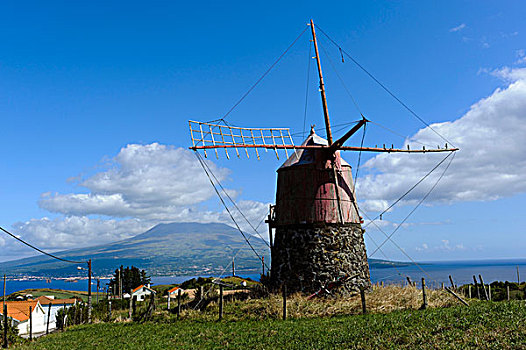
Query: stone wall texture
x,y
308,256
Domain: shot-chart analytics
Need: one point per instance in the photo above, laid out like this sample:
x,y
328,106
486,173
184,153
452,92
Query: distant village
x,y
36,316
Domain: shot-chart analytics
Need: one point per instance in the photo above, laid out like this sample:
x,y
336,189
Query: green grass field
x,y
482,325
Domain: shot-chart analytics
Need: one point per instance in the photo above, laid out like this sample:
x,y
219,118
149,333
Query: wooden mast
x,y
322,86
327,124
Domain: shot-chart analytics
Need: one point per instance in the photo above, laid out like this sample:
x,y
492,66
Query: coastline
x,y
435,272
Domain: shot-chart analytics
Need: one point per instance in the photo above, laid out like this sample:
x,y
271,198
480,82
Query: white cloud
x,y
458,28
521,56
74,232
422,248
510,74
444,247
509,35
489,165
151,182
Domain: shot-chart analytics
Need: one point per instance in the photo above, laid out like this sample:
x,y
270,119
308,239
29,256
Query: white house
x,y
142,292
18,311
56,304
172,293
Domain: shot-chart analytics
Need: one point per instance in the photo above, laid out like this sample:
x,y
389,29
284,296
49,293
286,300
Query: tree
x,y
132,277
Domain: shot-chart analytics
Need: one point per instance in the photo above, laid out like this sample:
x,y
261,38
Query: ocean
x,y
434,272
462,272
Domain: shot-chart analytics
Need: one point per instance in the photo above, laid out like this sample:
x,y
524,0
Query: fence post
x,y
64,317
457,296
508,291
109,310
89,291
151,307
130,308
452,283
179,302
489,291
284,293
5,345
168,304
362,296
476,286
220,302
483,287
469,291
121,277
134,305
48,317
30,323
424,305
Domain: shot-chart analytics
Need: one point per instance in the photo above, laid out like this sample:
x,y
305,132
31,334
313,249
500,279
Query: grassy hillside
x,y
482,325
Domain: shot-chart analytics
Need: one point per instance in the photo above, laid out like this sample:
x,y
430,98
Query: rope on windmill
x,y
263,76
203,164
383,86
418,205
409,190
235,205
389,237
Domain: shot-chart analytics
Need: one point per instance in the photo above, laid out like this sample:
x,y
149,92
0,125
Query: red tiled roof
x,y
173,289
136,289
19,310
46,301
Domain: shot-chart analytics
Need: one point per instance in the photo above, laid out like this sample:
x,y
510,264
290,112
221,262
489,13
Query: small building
x,y
172,293
18,312
142,292
56,305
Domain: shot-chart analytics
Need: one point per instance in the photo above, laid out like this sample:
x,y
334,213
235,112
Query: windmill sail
x,y
213,136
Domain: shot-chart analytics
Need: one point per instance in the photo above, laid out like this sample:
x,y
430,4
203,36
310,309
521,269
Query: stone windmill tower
x,y
315,229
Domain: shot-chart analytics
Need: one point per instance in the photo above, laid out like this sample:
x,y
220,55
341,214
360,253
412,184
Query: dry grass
x,y
379,300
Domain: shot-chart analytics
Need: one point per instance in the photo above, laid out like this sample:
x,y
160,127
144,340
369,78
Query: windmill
x,y
315,231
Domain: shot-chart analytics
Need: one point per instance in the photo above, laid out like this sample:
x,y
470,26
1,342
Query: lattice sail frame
x,y
207,136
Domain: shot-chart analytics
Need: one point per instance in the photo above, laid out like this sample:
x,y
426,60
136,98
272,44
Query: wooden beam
x,y
343,148
338,143
322,86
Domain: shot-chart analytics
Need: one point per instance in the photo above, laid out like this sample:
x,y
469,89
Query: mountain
x,y
166,249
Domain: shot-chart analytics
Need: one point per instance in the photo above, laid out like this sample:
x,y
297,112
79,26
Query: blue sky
x,y
95,99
